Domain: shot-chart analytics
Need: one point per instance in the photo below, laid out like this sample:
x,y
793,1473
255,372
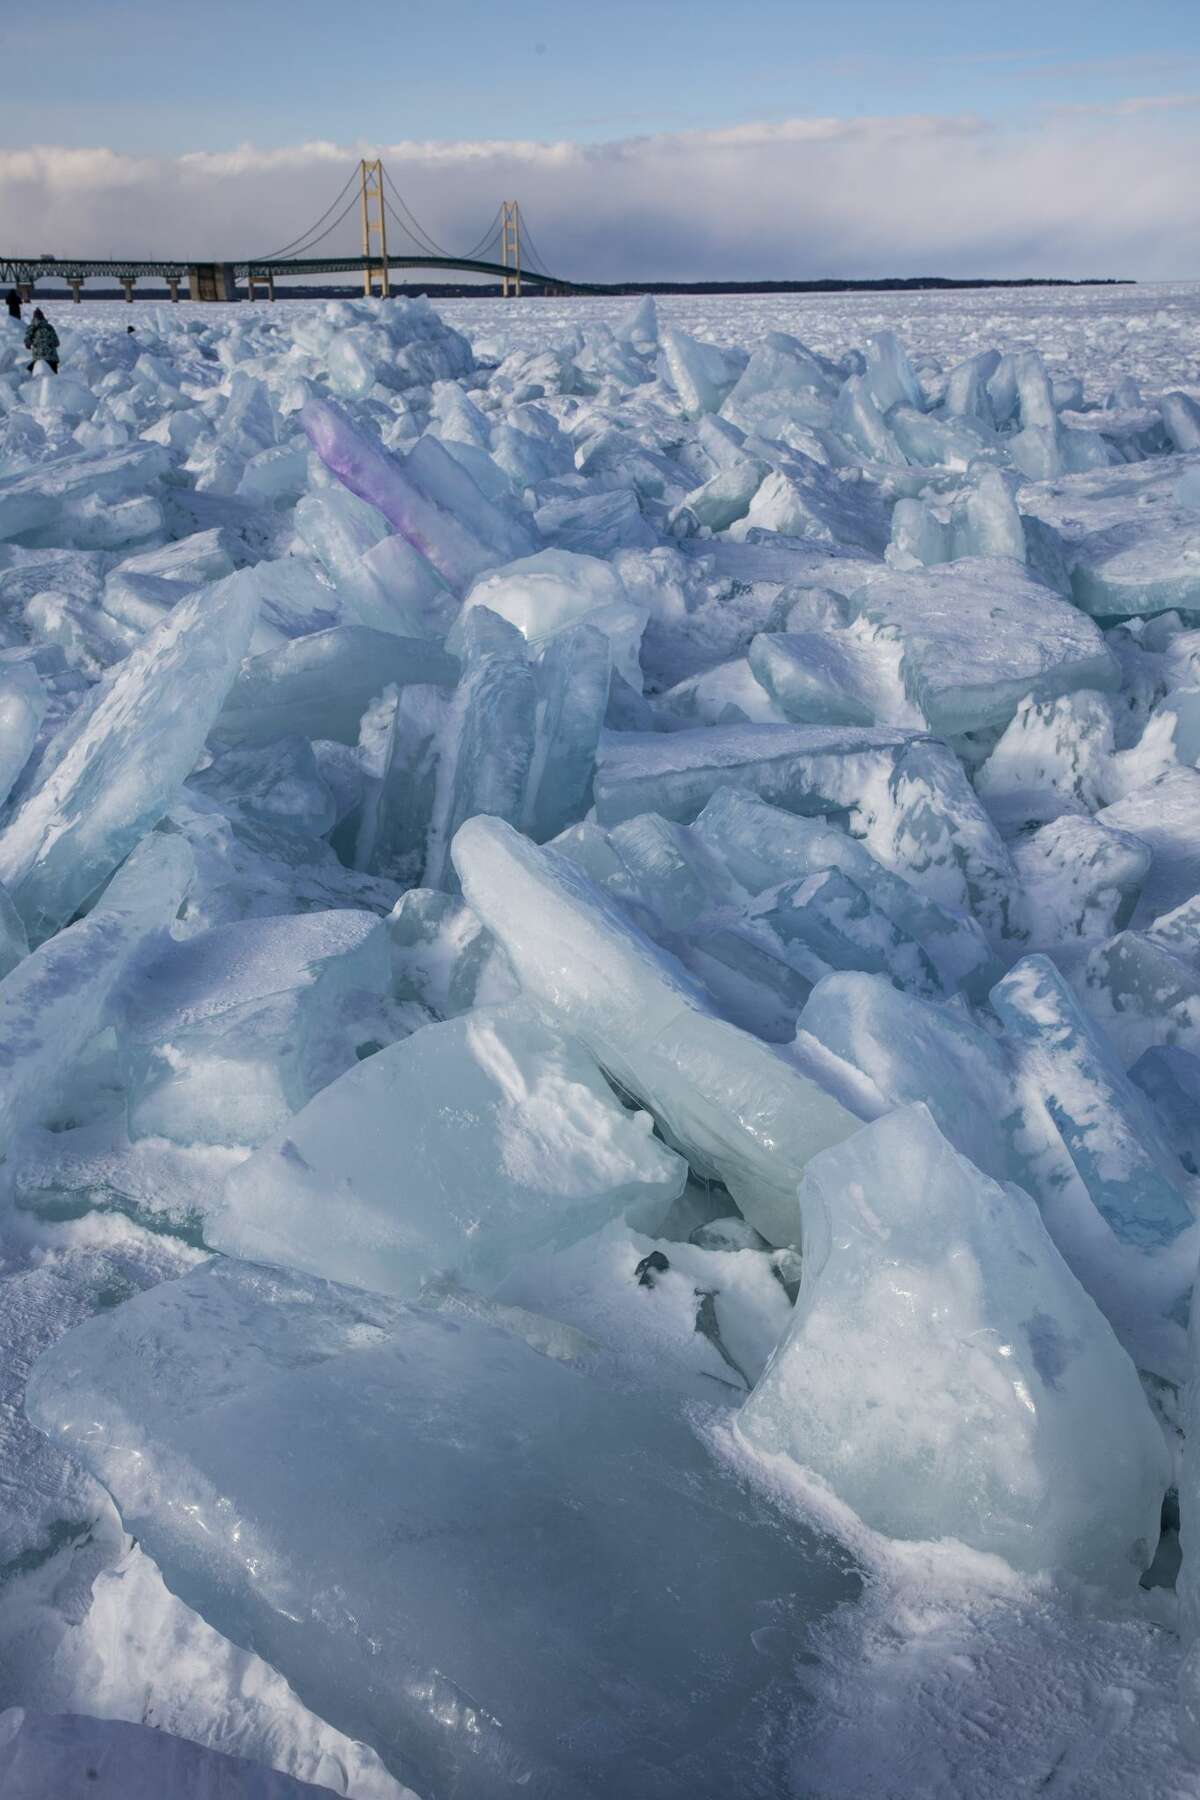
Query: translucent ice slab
x,y
461,1148
320,685
226,1034
114,768
734,1108
981,634
481,1561
946,1373
1105,1123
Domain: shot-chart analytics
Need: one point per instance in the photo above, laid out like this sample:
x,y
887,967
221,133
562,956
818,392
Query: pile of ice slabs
x,y
590,944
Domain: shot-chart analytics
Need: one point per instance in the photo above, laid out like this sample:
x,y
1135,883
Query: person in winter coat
x,y
13,302
42,339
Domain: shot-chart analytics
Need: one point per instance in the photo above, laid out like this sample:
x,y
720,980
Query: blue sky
x,y
206,119
123,72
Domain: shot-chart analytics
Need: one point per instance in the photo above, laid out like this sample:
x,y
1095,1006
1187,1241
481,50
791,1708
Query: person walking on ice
x,y
42,340
13,302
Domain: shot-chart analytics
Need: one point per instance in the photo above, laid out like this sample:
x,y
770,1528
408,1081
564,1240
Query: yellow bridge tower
x,y
510,247
374,227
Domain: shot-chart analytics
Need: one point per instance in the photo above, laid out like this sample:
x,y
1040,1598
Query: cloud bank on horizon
x,y
1084,191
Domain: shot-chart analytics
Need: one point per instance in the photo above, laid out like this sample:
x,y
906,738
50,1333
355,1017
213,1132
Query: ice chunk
x,y
733,1107
1181,419
639,327
806,500
889,374
116,765
1165,814
982,520
225,1035
486,754
277,784
1144,993
858,418
393,825
1053,758
378,477
979,635
247,423
728,694
833,920
1035,401
462,1148
555,590
671,870
339,529
1170,1077
365,1456
966,393
751,976
1080,878
1144,564
446,481
58,997
781,396
721,500
275,476
762,845
904,794
320,685
22,709
32,498
946,1374
700,373
193,560
293,601
910,1050
804,769
573,678
814,677
1179,930
443,957
1104,1121
392,588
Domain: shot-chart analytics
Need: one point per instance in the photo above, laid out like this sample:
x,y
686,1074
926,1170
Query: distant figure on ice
x,y
13,302
42,339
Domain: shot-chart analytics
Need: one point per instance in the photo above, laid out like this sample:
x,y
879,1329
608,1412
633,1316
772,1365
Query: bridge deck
x,y
27,270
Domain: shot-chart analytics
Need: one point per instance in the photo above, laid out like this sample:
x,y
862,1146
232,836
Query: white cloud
x,y
1081,195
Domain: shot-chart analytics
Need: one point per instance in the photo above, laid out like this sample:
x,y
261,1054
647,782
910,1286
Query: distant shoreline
x,y
457,290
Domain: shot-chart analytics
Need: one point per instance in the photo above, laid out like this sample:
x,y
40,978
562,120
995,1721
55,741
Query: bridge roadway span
x,y
25,271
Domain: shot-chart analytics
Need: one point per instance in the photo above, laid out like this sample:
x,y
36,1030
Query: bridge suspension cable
x,y
492,235
534,258
426,249
419,231
312,242
273,255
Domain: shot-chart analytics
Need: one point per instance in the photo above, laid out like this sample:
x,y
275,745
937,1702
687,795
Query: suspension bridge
x,y
506,252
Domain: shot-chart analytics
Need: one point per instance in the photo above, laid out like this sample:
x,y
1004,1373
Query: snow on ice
x,y
600,1049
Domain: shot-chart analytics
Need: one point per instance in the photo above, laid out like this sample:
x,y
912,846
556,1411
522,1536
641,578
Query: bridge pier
x,y
25,290
76,284
211,281
173,284
127,282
